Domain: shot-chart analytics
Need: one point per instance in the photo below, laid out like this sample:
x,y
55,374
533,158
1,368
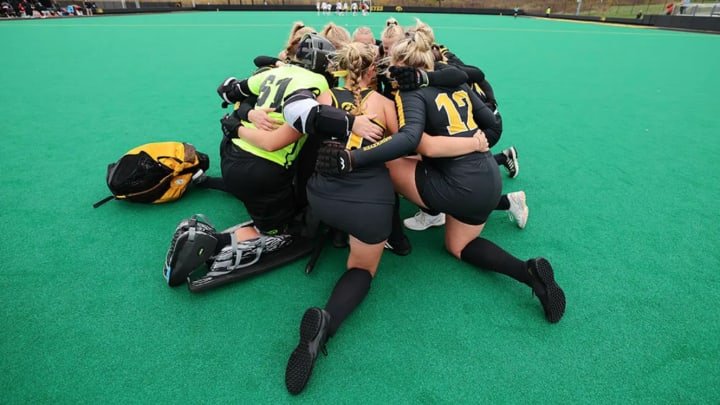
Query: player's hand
x,y
408,78
483,145
230,124
368,130
262,120
229,91
333,158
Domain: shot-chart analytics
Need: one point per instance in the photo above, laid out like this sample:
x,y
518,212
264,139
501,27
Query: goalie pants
x,y
265,188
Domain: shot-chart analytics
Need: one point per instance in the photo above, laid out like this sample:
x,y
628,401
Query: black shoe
x,y
511,163
400,247
313,335
551,296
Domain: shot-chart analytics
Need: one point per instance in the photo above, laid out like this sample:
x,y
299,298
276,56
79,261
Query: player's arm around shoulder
x,y
270,141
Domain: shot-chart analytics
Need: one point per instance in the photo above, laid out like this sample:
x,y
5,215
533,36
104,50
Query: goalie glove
x,y
409,78
333,158
230,124
230,90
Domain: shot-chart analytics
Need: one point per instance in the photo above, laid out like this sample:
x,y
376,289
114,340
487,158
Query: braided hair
x,y
355,60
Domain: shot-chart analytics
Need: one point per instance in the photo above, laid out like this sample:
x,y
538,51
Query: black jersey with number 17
x,y
436,111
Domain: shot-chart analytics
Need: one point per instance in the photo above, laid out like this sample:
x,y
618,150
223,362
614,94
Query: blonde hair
x,y
392,31
296,33
355,60
363,31
391,21
425,29
337,35
414,50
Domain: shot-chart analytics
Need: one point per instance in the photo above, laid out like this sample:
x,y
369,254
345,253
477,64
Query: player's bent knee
x,y
454,249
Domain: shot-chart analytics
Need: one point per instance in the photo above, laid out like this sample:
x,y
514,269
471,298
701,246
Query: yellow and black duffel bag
x,y
154,173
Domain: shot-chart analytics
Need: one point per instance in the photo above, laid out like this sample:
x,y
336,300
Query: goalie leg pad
x,y
243,254
192,245
299,248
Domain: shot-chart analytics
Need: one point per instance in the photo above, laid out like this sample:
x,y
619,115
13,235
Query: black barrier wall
x,y
677,22
673,22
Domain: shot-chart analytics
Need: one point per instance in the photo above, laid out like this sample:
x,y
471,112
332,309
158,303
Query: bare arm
x,y
361,124
391,119
449,146
262,120
270,140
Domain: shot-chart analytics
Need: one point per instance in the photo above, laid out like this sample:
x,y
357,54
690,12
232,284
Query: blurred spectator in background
x,y
7,10
669,9
90,7
684,5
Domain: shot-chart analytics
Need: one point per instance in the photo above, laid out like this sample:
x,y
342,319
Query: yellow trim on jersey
x,y
400,112
478,89
334,100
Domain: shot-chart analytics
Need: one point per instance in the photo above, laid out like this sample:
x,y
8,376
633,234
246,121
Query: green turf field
x,y
617,133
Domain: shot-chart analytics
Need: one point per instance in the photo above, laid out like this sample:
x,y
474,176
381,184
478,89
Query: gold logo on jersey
x,y
347,106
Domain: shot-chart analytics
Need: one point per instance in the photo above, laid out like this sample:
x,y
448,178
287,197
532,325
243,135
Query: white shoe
x,y
422,221
518,211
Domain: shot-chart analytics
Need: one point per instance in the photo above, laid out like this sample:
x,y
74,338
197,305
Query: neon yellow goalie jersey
x,y
271,87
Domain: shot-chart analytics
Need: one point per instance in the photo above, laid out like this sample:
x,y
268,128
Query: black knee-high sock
x,y
349,292
500,158
489,256
397,232
503,203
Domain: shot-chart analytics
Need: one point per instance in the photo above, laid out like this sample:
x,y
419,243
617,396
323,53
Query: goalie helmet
x,y
314,53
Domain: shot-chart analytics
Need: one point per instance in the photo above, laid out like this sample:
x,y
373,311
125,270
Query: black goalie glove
x,y
408,78
230,124
333,158
229,90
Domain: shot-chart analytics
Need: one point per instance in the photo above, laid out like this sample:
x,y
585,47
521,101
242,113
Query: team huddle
x,y
341,123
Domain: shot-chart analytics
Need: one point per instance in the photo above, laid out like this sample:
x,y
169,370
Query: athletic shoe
x,y
401,247
313,336
192,244
511,163
518,211
422,221
551,296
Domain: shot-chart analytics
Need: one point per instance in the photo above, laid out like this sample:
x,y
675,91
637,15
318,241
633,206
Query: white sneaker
x,y
518,211
422,221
